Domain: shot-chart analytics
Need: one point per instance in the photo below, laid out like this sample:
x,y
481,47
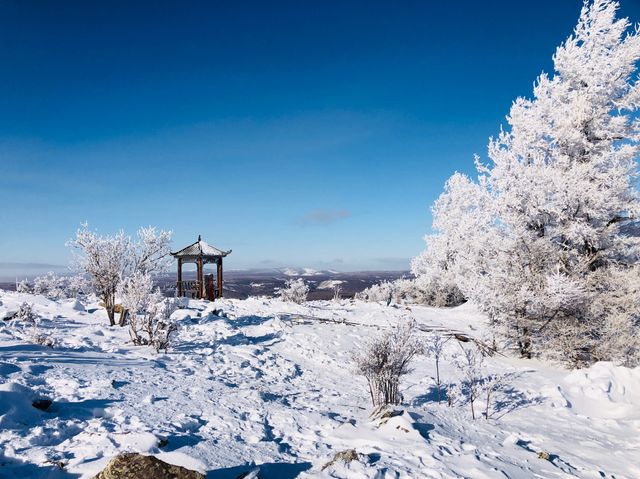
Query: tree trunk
x,y
486,413
438,377
123,316
109,305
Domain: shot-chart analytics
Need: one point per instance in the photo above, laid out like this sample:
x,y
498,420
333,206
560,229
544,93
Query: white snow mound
x,y
604,390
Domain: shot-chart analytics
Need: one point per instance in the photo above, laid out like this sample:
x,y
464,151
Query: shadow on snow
x,y
273,470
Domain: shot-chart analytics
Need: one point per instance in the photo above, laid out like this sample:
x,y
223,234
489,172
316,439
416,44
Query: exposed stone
x,y
9,315
343,456
137,466
382,414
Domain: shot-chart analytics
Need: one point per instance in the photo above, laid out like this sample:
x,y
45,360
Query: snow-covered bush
x,y
384,291
56,287
27,326
50,285
23,287
421,290
543,241
295,291
149,313
38,336
26,313
160,328
385,359
77,284
337,292
107,260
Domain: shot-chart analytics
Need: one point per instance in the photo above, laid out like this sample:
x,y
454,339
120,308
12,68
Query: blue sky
x,y
295,133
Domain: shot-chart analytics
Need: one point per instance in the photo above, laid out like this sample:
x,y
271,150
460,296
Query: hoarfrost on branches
x,y
26,313
295,291
421,290
107,260
384,359
149,313
435,348
543,241
470,364
56,287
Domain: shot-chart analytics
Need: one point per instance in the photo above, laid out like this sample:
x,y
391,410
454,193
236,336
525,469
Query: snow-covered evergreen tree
x,y
541,240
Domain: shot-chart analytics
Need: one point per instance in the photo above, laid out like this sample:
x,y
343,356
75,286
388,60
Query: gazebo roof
x,y
198,249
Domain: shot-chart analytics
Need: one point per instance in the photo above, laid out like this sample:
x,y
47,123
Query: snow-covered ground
x,y
268,383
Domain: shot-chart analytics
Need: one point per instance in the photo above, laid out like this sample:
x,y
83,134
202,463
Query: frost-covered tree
x,y
540,240
463,225
295,291
107,260
470,364
435,348
493,385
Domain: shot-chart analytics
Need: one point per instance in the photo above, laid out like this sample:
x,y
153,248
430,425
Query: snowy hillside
x,y
270,384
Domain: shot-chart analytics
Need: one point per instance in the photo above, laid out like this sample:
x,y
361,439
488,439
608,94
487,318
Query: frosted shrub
x,y
76,285
160,328
149,314
28,328
137,296
26,313
56,287
384,359
295,291
337,292
420,290
23,287
50,286
37,336
380,292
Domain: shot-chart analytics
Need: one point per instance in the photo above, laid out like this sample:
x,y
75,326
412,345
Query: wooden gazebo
x,y
203,287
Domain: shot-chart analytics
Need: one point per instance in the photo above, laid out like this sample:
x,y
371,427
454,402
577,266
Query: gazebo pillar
x,y
179,277
200,278
220,277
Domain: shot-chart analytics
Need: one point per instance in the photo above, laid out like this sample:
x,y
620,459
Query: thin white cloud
x,y
323,217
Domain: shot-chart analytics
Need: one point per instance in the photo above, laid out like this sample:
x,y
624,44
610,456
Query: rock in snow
x,y
138,466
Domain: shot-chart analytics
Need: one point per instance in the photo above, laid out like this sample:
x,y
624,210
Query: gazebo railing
x,y
189,288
